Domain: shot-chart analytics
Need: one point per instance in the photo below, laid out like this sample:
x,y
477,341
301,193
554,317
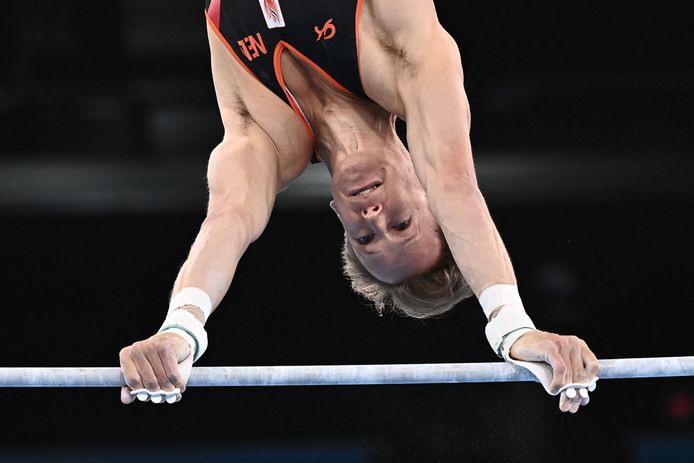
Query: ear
x,y
334,208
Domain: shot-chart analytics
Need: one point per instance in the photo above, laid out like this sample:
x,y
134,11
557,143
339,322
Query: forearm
x,y
438,137
442,156
214,256
242,182
472,236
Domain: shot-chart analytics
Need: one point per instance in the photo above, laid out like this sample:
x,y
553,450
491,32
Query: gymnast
x,y
321,81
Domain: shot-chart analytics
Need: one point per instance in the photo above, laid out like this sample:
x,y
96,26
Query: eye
x,y
366,239
402,226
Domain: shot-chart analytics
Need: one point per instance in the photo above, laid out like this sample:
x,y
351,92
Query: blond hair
x,y
420,296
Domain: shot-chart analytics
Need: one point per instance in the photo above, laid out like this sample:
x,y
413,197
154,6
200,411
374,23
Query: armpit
x,y
398,53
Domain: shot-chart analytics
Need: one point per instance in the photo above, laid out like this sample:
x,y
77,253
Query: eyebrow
x,y
404,243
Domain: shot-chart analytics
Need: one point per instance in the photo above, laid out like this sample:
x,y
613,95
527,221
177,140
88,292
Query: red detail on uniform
x,y
327,32
272,10
214,11
252,47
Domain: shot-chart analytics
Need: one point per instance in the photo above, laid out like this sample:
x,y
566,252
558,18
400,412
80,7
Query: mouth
x,y
365,190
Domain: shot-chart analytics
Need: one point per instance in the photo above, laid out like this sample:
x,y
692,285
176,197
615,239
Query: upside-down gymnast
x,y
323,81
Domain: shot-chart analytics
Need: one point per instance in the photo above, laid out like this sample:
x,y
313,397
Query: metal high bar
x,y
334,375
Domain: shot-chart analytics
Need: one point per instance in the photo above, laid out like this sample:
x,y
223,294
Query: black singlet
x,y
323,33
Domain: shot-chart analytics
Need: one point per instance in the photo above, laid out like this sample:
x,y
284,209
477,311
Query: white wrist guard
x,y
184,324
510,321
192,296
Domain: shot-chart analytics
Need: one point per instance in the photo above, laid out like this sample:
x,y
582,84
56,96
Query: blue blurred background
x,y
583,117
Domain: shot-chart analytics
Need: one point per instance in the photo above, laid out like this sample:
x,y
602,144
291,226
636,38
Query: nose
x,y
371,211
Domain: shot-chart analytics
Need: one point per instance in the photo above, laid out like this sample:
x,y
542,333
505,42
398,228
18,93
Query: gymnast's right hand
x,y
161,363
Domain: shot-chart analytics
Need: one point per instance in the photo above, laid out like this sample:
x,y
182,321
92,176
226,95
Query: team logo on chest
x,y
272,12
327,32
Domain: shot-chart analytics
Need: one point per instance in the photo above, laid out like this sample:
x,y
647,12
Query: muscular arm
x,y
430,95
244,178
428,78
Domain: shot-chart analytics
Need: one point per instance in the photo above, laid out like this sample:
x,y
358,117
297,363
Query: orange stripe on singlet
x,y
217,32
356,37
290,98
280,78
214,12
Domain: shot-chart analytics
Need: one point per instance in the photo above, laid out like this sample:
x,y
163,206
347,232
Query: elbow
x,y
459,181
455,182
453,192
235,222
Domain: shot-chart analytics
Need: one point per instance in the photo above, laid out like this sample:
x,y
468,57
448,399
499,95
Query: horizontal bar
x,y
334,375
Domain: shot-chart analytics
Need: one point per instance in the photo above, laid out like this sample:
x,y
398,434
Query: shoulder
x,y
397,44
406,27
253,114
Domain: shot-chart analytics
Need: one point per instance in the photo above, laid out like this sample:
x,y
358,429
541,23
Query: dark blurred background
x,y
582,129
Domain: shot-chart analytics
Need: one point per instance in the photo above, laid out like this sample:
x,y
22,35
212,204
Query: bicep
x,y
243,173
243,181
437,112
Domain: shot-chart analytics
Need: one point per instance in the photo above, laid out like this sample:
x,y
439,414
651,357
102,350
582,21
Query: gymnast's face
x,y
385,213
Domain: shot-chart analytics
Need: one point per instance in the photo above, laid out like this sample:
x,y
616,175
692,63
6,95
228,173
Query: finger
x,y
564,402
173,397
149,379
566,357
577,365
140,394
159,370
560,368
130,374
579,376
591,365
125,395
574,402
571,393
186,369
169,361
585,397
569,400
590,361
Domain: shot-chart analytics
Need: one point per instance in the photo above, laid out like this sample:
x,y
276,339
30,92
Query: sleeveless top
x,y
322,33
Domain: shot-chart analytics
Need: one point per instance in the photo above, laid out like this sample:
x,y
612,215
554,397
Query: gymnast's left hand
x,y
161,363
571,360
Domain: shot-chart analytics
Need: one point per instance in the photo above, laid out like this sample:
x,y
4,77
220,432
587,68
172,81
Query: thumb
x,y
177,357
184,353
186,366
125,396
528,348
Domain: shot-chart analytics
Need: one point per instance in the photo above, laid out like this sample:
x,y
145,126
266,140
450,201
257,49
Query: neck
x,y
342,124
344,128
